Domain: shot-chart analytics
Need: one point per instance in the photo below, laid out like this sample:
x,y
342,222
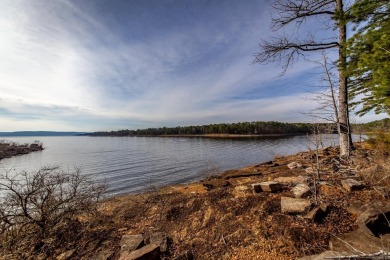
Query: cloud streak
x,y
102,65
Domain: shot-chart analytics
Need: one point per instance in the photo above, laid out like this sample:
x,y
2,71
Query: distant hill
x,y
41,133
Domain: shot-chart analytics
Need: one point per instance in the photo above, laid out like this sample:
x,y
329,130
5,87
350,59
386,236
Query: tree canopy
x,y
369,56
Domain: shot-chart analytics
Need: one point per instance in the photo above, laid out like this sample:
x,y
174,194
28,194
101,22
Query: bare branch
x,y
298,10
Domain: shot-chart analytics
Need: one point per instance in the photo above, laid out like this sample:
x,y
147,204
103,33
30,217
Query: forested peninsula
x,y
259,128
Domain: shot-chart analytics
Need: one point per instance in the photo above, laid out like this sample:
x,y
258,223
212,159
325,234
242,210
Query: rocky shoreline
x,y
289,208
10,149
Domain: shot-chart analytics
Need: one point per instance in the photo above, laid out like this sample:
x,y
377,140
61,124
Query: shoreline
x,y
223,215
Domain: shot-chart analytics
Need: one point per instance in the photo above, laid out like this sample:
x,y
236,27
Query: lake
x,y
134,164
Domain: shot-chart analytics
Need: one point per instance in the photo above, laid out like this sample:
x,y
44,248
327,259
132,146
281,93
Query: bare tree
x,y
37,209
287,51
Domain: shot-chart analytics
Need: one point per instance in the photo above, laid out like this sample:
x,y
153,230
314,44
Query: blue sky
x,y
129,64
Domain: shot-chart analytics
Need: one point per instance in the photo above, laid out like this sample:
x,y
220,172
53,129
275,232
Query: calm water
x,y
132,164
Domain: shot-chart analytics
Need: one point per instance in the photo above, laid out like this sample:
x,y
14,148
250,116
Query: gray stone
x,y
148,252
301,190
130,243
294,165
160,239
268,186
351,184
294,205
291,180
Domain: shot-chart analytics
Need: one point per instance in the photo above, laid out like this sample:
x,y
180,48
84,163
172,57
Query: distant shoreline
x,y
223,135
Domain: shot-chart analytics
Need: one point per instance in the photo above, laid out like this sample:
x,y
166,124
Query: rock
x,y
323,255
160,239
375,219
294,165
351,185
301,190
103,255
268,186
66,255
148,252
291,180
310,170
294,205
130,243
358,242
356,208
317,213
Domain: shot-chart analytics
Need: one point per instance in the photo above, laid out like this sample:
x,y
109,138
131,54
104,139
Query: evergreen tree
x,y
369,56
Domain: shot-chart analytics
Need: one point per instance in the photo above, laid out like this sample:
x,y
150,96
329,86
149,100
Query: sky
x,y
69,65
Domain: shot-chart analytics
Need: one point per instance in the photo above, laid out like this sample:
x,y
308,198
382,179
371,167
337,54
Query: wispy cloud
x,y
102,65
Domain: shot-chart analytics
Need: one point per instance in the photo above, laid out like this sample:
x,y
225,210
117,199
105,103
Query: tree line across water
x,y
246,128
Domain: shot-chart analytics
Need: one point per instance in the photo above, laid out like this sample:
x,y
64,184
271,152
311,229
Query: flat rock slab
x,y
268,186
130,243
291,180
294,205
301,190
148,252
324,255
358,242
351,184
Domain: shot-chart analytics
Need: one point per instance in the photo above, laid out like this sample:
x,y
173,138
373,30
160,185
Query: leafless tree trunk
x,y
343,126
287,51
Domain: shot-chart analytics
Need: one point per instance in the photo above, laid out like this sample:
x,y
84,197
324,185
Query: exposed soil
x,y
221,218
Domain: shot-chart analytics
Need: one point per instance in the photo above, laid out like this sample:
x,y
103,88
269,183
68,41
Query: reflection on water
x,y
131,164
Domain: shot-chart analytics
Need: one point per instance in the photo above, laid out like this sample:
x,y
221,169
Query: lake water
x,y
133,164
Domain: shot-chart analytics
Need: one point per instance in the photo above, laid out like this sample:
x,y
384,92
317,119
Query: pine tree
x,y
369,56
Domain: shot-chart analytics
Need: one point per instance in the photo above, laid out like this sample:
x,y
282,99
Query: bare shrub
x,y
44,212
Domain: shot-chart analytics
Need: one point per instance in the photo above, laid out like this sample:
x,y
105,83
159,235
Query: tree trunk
x,y
343,126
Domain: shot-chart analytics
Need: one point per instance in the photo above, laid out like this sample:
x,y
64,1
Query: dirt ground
x,y
222,218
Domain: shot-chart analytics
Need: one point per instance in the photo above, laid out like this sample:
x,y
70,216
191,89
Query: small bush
x,y
44,212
